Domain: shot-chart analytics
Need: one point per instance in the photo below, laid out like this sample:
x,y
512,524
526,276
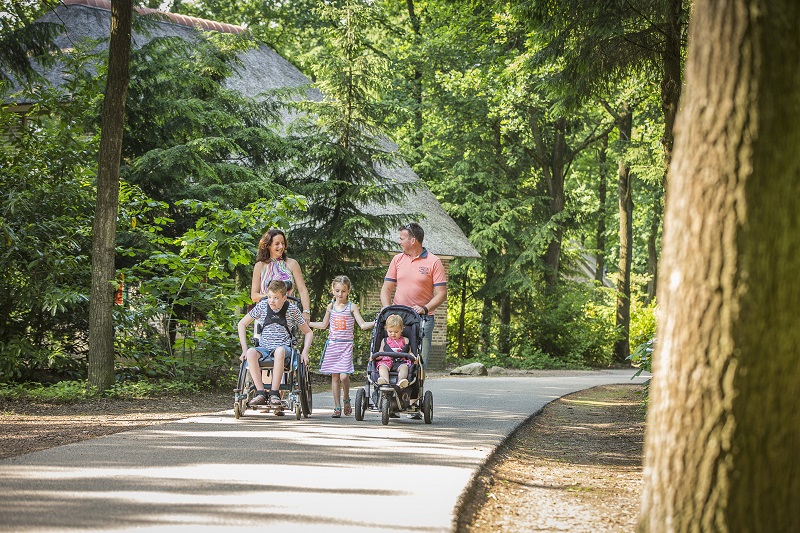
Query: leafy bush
x,y
74,391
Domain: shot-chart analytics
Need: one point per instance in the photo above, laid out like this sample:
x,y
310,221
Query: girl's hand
x,y
304,356
243,356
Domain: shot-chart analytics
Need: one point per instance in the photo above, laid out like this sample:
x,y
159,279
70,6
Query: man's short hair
x,y
277,286
415,230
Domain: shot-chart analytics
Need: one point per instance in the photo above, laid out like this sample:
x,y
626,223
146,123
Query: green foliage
x,y
188,136
75,391
46,226
24,41
180,319
342,163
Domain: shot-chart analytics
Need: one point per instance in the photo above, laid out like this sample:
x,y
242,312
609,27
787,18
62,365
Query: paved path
x,y
315,474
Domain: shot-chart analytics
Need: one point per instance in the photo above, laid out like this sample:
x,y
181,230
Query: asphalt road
x,y
216,473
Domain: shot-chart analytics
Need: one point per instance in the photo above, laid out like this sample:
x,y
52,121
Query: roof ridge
x,y
175,18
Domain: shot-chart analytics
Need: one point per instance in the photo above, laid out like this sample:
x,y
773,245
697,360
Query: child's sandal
x,y
347,409
337,412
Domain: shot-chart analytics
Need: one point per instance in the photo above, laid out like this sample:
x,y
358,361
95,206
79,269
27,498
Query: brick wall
x,y
370,302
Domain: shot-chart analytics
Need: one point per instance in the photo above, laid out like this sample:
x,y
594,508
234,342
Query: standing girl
x,y
337,357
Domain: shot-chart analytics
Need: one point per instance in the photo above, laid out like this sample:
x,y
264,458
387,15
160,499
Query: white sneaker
x,y
383,381
403,383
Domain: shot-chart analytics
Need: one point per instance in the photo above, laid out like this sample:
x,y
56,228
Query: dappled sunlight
x,y
313,474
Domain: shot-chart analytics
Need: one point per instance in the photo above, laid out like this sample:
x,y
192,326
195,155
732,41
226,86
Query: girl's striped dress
x,y
338,355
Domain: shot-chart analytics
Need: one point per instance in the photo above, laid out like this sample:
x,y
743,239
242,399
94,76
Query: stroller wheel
x,y
427,407
237,412
386,405
361,404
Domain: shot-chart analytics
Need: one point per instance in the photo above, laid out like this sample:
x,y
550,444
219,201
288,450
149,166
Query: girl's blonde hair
x,y
395,321
344,280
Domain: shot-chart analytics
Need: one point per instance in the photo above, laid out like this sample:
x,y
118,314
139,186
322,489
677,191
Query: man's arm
x,y
439,297
386,292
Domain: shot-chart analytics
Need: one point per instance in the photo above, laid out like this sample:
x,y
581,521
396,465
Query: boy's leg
x,y
253,367
253,356
277,368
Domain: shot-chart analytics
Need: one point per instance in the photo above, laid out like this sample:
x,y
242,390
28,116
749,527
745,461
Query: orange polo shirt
x,y
415,277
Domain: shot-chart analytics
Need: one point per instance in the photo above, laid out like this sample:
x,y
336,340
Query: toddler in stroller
x,y
395,377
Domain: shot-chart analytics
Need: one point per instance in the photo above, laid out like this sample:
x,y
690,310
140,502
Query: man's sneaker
x,y
259,399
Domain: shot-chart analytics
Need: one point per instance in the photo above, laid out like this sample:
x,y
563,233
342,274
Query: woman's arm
x,y
300,283
357,315
255,285
325,321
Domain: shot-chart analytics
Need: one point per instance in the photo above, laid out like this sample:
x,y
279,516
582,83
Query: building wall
x,y
371,303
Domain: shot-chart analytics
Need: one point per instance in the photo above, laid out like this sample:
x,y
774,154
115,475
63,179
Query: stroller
x,y
295,389
389,399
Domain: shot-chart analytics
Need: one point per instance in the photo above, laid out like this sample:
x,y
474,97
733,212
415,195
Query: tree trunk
x,y
671,74
652,250
461,319
416,84
622,345
101,305
723,430
600,267
555,186
504,338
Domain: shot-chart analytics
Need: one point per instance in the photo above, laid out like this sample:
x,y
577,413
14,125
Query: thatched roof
x,y
262,70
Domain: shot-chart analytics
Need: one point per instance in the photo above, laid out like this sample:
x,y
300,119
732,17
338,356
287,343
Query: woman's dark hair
x,y
265,242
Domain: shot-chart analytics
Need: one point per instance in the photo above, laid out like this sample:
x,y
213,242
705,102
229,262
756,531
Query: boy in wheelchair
x,y
280,317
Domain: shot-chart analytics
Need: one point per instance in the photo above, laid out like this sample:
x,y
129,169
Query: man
x,y
420,280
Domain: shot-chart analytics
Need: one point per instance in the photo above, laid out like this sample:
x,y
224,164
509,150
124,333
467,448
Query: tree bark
x,y
461,319
622,345
417,137
723,430
652,250
600,266
555,188
101,324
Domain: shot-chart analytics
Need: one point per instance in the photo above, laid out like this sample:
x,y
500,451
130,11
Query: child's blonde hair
x,y
395,321
344,280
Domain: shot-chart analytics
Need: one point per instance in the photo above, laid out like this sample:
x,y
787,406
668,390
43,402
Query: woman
x,y
272,263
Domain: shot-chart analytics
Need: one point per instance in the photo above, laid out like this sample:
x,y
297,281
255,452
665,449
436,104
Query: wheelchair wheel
x,y
361,404
386,405
306,397
297,411
427,407
237,411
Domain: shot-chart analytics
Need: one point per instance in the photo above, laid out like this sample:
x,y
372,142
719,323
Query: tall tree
x,y
344,159
723,427
101,323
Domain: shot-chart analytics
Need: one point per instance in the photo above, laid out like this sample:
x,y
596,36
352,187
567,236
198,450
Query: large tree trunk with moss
x,y
624,177
101,305
723,429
